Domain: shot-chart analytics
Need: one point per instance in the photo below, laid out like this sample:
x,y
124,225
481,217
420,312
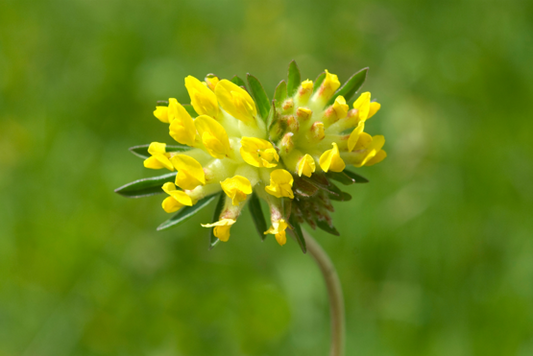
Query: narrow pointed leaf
x,y
190,110
318,81
319,183
346,178
271,115
257,215
239,82
339,194
145,187
142,150
260,96
281,93
304,188
297,231
352,85
213,240
355,176
293,78
186,212
329,229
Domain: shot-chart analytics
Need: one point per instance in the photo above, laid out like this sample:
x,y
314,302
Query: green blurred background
x,y
436,253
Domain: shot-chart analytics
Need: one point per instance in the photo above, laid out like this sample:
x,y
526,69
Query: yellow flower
x,y
258,152
331,160
177,198
306,166
236,101
159,158
278,229
161,113
190,172
222,228
237,188
213,136
203,100
284,158
280,184
181,124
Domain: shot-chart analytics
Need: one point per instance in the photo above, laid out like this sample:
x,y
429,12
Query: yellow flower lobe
x,y
213,136
331,160
258,152
236,101
280,184
182,127
203,100
237,188
190,172
306,166
278,229
222,228
159,157
176,200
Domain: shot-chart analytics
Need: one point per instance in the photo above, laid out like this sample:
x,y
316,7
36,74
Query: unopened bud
x,y
211,80
286,144
287,105
292,124
316,132
303,114
304,91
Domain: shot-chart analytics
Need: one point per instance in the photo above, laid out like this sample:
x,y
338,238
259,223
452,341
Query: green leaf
x,y
319,183
213,240
297,230
257,215
260,96
281,93
352,85
304,188
271,116
293,78
190,110
142,150
355,176
318,81
145,187
346,177
239,82
329,229
186,212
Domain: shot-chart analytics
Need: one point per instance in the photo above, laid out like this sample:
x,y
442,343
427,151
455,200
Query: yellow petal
x,y
182,127
278,229
237,188
161,112
154,163
171,205
157,147
222,228
331,160
306,166
258,152
307,84
236,101
280,184
190,172
374,108
203,100
177,198
329,85
211,81
340,107
362,104
159,157
213,136
380,156
354,136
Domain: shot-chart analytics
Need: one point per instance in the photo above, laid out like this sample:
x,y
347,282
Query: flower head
x,y
232,142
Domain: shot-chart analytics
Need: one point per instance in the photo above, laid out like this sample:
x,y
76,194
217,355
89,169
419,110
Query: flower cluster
x,y
233,139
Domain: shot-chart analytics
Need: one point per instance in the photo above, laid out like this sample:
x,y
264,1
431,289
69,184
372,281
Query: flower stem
x,y
336,300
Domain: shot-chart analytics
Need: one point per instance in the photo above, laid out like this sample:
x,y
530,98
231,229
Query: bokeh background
x,y
436,253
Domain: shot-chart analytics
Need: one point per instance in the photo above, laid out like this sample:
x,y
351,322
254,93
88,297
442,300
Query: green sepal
x,y
286,204
325,226
293,78
346,177
190,110
352,85
142,150
145,187
237,80
297,230
320,182
186,212
304,188
281,93
257,215
260,96
213,240
339,194
271,116
318,81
